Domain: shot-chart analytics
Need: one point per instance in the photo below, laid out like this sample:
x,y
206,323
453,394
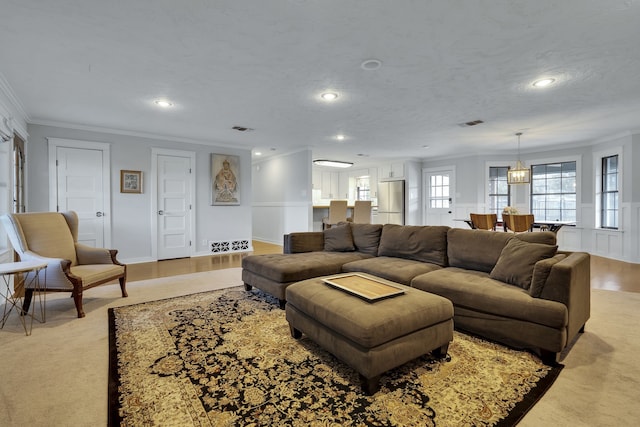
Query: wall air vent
x,y
228,246
471,123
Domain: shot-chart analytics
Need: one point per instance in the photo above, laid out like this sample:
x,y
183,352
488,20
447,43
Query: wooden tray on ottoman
x,y
364,287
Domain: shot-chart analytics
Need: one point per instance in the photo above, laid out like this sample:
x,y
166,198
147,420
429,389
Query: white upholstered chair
x,y
361,212
52,237
337,213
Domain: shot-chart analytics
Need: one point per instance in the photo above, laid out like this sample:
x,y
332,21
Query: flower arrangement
x,y
510,210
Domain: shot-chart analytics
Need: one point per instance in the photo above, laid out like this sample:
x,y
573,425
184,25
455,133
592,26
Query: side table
x,y
25,273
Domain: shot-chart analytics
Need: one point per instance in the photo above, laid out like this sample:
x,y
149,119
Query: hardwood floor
x,y
605,273
174,267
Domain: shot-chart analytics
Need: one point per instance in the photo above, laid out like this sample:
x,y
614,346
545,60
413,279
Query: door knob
x,y
99,214
161,212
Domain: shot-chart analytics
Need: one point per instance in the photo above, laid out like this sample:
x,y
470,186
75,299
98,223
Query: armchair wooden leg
x,y
77,299
123,286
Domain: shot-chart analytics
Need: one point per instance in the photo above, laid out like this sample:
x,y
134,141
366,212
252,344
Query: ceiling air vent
x,y
241,128
471,123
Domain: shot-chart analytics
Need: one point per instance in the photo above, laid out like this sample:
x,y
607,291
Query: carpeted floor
x,y
58,376
227,358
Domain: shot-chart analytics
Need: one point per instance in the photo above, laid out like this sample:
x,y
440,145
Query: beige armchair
x,y
52,237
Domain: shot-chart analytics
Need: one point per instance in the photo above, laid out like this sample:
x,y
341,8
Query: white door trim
x,y
155,152
53,144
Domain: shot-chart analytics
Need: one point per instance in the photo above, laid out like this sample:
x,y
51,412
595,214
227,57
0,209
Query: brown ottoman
x,y
371,337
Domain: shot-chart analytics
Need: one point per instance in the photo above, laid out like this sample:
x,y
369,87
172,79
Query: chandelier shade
x,y
520,174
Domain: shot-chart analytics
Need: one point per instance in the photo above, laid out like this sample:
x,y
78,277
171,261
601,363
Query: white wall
x,y
131,213
282,200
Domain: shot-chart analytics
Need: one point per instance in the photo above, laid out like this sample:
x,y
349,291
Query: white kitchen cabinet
x,y
330,182
373,182
391,170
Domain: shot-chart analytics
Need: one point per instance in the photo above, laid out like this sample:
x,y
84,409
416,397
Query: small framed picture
x,y
131,181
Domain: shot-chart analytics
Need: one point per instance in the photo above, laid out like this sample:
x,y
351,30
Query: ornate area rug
x,y
227,358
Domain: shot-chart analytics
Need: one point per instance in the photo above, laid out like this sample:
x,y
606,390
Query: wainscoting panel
x,y
608,243
570,239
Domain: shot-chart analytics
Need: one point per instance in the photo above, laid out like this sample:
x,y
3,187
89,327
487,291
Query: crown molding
x,y
9,93
146,135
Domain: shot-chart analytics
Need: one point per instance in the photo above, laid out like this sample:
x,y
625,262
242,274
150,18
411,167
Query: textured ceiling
x,y
263,64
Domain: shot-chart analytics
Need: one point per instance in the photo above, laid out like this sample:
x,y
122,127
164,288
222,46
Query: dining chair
x,y
52,238
484,221
361,212
518,223
337,213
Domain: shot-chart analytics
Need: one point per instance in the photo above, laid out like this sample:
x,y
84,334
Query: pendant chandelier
x,y
520,174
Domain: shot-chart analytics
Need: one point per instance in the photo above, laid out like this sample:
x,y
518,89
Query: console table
x,y
22,273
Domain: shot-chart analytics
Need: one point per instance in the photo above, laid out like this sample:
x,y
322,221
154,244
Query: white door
x,y
80,187
439,190
174,206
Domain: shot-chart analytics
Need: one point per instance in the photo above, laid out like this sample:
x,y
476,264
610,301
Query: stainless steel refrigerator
x,y
391,202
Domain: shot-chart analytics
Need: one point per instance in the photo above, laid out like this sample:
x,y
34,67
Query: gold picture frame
x,y
131,182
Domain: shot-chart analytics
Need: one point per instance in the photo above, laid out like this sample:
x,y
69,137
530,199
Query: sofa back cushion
x,y
366,237
420,243
475,249
338,239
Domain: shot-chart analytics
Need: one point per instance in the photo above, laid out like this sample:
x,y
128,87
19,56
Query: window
x,y
609,194
439,192
363,190
553,191
499,192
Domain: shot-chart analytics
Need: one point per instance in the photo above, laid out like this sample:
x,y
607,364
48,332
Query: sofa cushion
x,y
475,249
544,237
516,262
541,273
285,268
338,239
477,291
420,243
366,237
398,270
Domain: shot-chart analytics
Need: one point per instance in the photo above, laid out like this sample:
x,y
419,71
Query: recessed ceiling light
x,y
332,163
425,146
329,96
371,64
163,103
340,137
258,153
543,82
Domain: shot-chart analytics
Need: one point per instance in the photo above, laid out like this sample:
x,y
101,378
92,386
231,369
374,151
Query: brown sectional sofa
x,y
512,288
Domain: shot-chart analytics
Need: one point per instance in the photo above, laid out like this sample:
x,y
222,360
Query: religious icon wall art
x,y
225,180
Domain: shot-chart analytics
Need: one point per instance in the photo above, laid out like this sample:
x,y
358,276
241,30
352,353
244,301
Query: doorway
x,y
79,180
173,189
439,189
